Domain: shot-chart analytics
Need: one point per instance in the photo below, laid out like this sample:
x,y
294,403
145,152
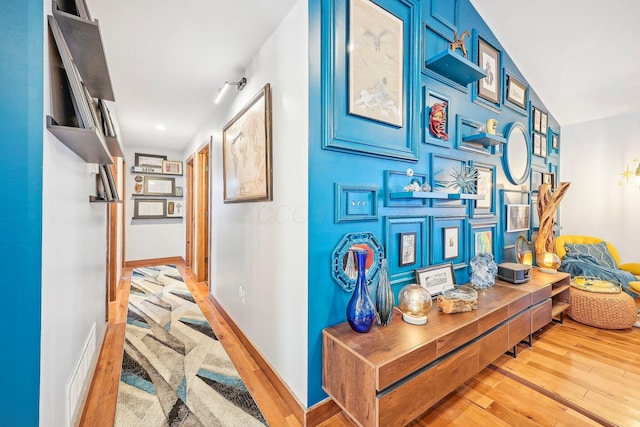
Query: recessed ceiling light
x,y
160,127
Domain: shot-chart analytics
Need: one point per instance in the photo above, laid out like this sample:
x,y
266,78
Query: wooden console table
x,y
392,374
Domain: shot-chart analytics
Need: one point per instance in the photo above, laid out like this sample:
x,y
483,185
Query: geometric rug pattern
x,y
175,372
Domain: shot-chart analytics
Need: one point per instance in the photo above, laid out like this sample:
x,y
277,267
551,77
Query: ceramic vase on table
x,y
361,312
384,297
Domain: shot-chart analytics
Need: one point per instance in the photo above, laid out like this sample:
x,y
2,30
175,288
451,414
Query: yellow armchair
x,y
631,267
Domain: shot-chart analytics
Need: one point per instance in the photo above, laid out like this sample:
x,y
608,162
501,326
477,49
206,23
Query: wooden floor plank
x,y
574,372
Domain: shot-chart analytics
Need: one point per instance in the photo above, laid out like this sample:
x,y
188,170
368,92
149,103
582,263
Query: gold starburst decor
x,y
464,179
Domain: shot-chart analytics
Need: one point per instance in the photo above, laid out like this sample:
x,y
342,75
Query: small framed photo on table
x,y
436,278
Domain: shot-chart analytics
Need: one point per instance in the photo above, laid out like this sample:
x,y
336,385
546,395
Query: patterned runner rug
x,y
175,372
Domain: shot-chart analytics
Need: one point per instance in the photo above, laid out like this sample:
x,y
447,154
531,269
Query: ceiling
x,y
167,59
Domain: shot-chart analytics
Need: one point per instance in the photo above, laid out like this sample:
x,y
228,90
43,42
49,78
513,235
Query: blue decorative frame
x,y
430,97
344,132
347,283
467,127
506,76
396,225
395,181
474,211
438,224
495,107
553,152
356,202
438,16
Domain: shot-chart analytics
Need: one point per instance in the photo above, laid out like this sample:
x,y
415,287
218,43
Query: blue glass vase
x,y
361,312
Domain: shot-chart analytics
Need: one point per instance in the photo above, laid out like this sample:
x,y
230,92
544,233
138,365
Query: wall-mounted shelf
x,y
486,139
434,195
89,144
455,67
95,199
113,144
85,44
148,172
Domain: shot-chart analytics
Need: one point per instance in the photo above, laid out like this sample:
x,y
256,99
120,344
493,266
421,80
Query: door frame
x,y
202,215
190,211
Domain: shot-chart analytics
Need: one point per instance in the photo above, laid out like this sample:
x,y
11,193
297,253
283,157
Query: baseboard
x,y
92,373
306,417
321,412
153,261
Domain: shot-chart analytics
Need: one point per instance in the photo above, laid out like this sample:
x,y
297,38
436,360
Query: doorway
x,y
202,216
190,211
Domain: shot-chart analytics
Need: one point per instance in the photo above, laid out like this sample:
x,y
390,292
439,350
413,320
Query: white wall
x,y
593,155
74,260
151,238
263,246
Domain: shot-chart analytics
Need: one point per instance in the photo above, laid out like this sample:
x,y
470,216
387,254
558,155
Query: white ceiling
x,y
580,56
168,58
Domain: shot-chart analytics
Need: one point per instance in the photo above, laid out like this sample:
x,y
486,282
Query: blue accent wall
x,y
354,151
21,133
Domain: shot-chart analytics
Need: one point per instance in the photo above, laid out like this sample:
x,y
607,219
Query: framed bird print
x,y
375,63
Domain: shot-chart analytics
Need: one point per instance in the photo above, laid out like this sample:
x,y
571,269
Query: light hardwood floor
x,y
574,375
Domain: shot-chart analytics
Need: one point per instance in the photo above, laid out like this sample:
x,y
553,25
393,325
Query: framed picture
x,y
536,119
451,242
543,122
484,187
179,191
518,217
537,144
376,61
489,61
555,141
516,92
159,186
436,278
150,160
175,209
149,208
549,178
483,242
246,152
171,167
543,146
407,249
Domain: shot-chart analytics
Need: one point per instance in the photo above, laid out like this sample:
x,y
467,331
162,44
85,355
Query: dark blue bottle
x,y
361,312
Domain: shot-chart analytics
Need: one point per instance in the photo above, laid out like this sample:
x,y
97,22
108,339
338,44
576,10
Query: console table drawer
x,y
541,315
519,328
405,402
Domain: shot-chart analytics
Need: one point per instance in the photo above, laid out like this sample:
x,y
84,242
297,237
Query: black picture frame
x,y
407,255
436,278
489,61
149,208
150,160
516,92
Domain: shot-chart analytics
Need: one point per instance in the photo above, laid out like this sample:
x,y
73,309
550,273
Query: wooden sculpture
x,y
458,43
547,212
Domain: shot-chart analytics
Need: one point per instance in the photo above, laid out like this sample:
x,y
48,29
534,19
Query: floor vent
x,y
79,377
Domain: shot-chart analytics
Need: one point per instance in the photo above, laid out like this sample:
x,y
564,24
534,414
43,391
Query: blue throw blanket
x,y
586,265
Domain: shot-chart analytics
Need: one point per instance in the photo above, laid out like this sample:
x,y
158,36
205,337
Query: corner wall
x,y
262,246
594,154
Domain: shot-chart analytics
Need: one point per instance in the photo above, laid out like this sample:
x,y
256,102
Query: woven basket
x,y
606,311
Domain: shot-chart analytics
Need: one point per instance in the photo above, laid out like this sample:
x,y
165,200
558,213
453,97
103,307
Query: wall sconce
x,y
632,174
225,87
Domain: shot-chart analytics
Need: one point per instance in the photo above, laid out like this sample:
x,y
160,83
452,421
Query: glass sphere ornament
x,y
415,303
548,262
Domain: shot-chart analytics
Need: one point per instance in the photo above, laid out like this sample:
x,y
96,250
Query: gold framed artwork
x,y
246,152
376,40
